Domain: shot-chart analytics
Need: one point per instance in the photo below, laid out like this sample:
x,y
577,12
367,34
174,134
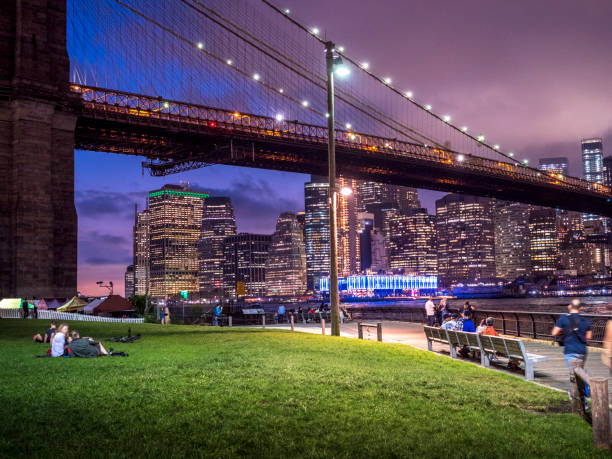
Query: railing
x,y
538,325
50,315
108,102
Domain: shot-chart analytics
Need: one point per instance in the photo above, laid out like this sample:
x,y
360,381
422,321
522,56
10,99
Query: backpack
x,y
574,329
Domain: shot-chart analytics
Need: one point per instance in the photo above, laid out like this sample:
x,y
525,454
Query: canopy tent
x,y
75,304
114,304
89,309
11,303
51,303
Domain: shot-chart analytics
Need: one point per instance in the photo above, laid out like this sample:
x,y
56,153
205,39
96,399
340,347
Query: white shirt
x,y
57,345
429,308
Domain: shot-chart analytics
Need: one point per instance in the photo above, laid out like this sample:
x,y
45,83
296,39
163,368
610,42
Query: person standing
x,y
443,309
281,313
24,309
217,314
430,312
167,315
575,330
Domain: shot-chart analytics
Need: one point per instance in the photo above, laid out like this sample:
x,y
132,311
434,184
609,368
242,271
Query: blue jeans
x,y
570,357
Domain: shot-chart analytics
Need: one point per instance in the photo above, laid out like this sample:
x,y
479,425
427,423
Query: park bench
x,y
465,339
437,335
511,349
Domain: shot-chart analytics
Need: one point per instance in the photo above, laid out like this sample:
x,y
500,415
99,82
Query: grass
x,y
198,391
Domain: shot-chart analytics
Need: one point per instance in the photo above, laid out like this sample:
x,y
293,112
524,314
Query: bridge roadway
x,y
179,136
552,373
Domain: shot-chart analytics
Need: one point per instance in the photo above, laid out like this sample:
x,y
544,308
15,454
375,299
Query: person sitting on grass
x,y
37,338
85,347
60,341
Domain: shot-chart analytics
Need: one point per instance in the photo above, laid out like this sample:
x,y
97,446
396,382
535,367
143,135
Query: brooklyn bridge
x,y
189,84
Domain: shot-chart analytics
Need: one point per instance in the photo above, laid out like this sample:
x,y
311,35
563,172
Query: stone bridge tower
x,y
38,221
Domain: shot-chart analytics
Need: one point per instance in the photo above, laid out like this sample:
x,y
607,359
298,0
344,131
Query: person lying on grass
x,y
85,347
37,338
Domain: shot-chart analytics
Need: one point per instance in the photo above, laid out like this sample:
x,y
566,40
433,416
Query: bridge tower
x,y
38,221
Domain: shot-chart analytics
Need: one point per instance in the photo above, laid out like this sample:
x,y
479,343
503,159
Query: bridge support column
x,y
38,223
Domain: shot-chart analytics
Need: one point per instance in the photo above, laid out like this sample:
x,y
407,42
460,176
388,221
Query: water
x,y
592,304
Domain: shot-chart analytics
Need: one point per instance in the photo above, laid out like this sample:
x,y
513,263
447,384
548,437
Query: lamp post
x,y
333,230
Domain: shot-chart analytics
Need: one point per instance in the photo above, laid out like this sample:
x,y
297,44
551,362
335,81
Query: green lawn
x,y
199,391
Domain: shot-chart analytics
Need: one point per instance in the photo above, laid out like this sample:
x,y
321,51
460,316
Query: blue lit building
x,y
381,285
592,163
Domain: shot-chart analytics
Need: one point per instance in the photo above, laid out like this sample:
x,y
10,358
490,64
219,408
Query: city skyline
x,y
107,185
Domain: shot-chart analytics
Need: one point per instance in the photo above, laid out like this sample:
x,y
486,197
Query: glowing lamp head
x,y
229,62
342,70
346,191
428,107
496,147
511,154
408,94
279,117
287,11
365,65
166,105
315,31
327,115
446,118
341,49
525,161
464,129
305,103
200,45
387,80
460,158
281,90
348,125
481,138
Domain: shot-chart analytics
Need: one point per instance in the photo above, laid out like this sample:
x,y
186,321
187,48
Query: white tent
x,y
89,309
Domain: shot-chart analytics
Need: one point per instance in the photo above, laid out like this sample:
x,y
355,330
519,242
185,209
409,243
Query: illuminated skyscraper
x,y
175,220
372,193
129,281
141,253
607,171
544,243
406,198
316,230
218,222
592,166
555,165
512,258
466,239
244,264
411,242
286,263
348,237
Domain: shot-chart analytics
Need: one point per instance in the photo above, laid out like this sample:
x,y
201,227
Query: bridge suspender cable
x,y
382,82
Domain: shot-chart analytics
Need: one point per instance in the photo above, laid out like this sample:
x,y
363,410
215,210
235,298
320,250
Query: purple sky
x,y
533,76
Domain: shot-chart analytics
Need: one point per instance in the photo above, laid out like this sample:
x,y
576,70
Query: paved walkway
x,y
551,373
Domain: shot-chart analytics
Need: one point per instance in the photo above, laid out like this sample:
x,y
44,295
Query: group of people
x,y
65,344
438,315
307,315
29,309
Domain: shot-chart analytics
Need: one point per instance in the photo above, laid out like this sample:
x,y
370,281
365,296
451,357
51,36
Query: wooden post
x,y
322,326
600,412
379,331
229,321
292,323
577,400
359,330
263,320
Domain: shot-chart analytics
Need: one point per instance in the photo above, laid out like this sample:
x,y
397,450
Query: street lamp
x,y
334,65
109,286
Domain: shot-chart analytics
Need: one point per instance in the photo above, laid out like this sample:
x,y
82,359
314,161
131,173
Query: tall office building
x,y
244,264
218,222
466,239
592,166
348,237
316,230
555,165
607,171
129,281
411,242
175,222
512,258
544,243
286,263
366,227
372,193
406,198
141,253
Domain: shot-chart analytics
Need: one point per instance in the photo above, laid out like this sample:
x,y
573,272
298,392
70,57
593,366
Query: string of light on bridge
x,y
408,95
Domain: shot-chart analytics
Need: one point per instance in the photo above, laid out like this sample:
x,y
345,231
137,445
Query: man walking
x,y
430,312
575,330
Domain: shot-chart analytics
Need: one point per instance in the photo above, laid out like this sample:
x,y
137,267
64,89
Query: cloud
x,y
97,248
96,203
